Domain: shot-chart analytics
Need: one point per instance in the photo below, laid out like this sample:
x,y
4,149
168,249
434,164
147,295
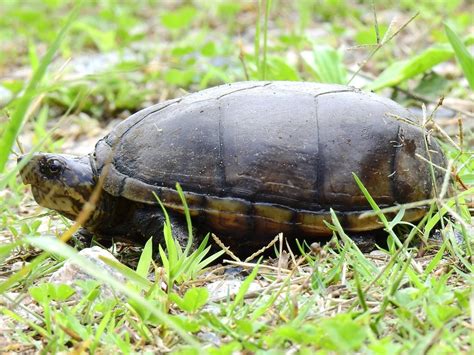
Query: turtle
x,y
253,159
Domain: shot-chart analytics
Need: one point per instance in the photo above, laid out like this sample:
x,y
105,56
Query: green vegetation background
x,y
66,65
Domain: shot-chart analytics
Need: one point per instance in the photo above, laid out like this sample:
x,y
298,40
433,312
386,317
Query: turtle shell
x,y
269,157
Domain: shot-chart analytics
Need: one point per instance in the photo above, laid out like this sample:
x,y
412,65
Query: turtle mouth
x,y
39,194
27,175
24,171
28,172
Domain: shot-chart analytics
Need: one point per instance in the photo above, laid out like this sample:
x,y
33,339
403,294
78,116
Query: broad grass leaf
x,y
279,69
345,334
145,259
398,72
55,246
465,59
178,19
194,299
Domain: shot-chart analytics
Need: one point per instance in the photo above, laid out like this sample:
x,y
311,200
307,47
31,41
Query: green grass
x,y
413,297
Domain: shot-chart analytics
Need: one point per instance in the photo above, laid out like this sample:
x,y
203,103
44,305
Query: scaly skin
x,y
60,182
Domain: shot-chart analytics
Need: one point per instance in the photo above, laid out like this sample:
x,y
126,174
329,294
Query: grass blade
x,y
360,293
404,70
134,276
265,32
55,246
18,116
145,259
465,59
326,65
244,288
189,244
257,39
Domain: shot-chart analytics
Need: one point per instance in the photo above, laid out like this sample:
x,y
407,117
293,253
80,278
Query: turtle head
x,y
60,182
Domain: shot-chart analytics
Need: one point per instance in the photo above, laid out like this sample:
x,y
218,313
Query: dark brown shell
x,y
266,157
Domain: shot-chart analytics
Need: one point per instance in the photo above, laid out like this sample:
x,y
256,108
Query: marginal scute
x,y
312,223
273,219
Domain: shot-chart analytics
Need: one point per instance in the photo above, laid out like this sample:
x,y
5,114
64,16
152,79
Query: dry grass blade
x,y
277,285
260,251
392,260
380,45
248,265
407,206
455,215
440,168
242,60
223,247
446,136
461,134
427,100
404,120
446,179
439,103
376,23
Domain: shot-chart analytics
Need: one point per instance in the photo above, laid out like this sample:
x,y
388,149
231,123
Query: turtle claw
x,y
81,239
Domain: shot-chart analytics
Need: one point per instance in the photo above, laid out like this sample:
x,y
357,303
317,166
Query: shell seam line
x,y
393,172
150,113
332,92
319,181
221,163
243,89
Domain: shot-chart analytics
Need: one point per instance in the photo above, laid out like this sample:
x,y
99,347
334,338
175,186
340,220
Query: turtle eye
x,y
54,167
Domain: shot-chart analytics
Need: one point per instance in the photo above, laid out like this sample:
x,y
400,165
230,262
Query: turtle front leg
x,y
180,232
83,239
137,223
149,222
